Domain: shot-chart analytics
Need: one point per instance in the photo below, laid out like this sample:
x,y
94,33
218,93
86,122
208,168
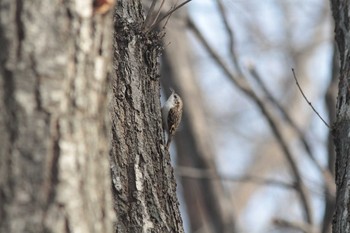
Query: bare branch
x,y
156,18
327,176
285,115
155,23
244,86
149,14
296,80
306,228
230,36
167,19
196,173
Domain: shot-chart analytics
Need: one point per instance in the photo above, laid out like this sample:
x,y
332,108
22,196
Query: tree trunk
x,y
341,128
53,121
143,181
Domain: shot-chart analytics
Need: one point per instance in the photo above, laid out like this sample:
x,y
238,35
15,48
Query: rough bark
x,y
341,128
143,181
54,142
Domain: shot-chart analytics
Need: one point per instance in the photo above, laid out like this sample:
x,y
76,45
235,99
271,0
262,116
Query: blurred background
x,y
251,155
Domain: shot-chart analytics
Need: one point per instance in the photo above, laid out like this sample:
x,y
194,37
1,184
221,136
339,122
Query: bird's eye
x,y
175,96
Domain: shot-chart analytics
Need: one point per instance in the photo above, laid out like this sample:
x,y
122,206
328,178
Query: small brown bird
x,y
171,114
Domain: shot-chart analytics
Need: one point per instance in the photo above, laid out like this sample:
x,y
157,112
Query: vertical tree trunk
x,y
53,121
341,127
143,181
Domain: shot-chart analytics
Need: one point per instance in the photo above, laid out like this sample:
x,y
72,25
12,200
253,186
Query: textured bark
x,y
143,181
54,142
341,128
207,205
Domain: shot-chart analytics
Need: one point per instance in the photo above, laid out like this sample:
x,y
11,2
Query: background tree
x,y
265,139
207,204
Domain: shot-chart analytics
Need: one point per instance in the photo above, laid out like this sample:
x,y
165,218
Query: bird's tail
x,y
168,142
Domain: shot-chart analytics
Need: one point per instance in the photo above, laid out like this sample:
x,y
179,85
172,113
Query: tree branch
x,y
158,20
296,81
244,86
327,176
197,173
299,226
230,34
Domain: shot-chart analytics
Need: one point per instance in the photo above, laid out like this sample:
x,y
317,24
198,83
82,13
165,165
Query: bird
x,y
171,115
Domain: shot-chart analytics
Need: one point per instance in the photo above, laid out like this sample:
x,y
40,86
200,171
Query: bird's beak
x,y
172,90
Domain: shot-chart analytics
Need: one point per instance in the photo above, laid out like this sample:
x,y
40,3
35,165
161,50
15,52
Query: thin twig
x,y
300,226
157,16
167,20
230,34
166,15
241,83
197,173
149,14
296,80
286,116
325,172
